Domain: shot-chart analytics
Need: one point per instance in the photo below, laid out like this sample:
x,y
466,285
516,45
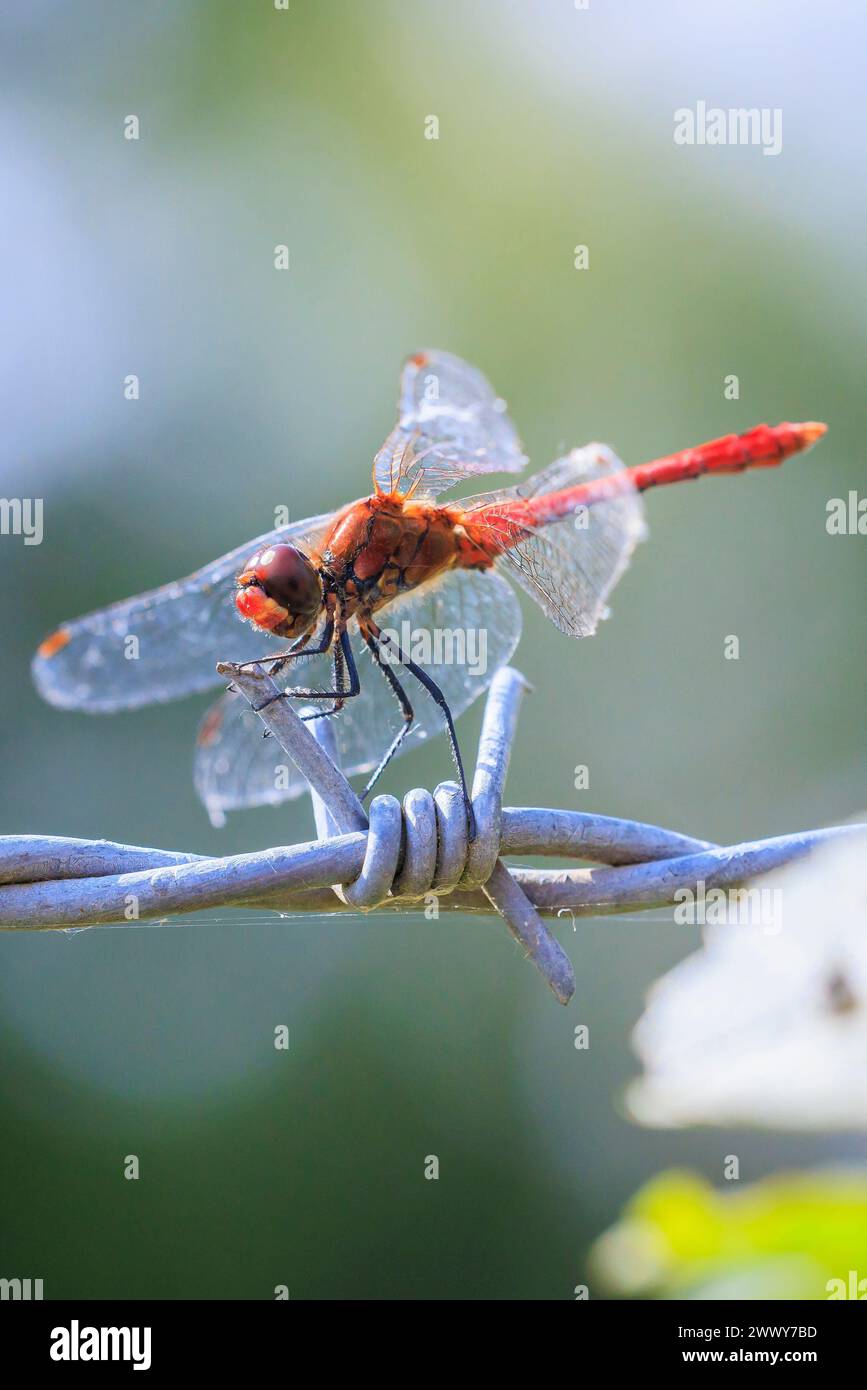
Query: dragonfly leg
x,y
405,709
337,694
278,660
439,698
338,675
319,713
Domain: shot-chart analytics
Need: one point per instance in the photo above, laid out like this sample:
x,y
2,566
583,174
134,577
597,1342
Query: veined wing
x,y
162,644
451,425
569,566
461,628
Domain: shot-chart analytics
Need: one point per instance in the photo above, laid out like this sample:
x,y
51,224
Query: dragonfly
x,y
414,586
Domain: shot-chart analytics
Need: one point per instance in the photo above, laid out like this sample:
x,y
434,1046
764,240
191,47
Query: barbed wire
x,y
400,858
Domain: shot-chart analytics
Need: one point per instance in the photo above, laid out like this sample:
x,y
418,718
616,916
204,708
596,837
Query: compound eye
x,y
286,576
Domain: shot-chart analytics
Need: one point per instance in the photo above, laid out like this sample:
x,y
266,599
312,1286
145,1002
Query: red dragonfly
x,y
397,576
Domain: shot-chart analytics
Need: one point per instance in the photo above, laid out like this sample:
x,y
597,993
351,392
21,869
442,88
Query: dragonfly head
x,y
280,590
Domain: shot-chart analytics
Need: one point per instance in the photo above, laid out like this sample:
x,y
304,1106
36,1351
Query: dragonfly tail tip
x,y
811,431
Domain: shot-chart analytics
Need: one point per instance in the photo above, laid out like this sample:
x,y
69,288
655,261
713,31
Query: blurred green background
x,y
155,257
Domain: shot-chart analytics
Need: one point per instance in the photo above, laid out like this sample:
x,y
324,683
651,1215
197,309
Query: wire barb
x,y
395,860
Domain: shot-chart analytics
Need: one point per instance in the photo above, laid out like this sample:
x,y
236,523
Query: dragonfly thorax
x,y
382,546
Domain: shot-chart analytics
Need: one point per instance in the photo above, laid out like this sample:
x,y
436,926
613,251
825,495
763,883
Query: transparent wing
x,y
180,632
451,425
461,629
569,566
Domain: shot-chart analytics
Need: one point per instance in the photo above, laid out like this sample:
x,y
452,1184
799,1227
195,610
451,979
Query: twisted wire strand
x,y
395,859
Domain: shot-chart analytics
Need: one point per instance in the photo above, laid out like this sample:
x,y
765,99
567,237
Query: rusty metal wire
x,y
397,858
